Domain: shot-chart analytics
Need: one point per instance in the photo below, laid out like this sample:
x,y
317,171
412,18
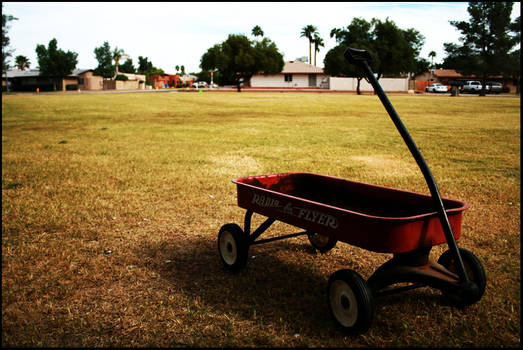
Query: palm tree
x,y
308,31
22,62
337,34
432,54
118,54
257,31
318,42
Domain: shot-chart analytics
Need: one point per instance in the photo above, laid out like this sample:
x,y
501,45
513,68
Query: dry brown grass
x,y
111,206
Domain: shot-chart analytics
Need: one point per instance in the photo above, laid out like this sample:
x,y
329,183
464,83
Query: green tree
x,y
422,66
432,54
487,40
358,35
128,67
394,50
182,69
104,57
118,54
336,33
6,51
257,31
55,62
22,62
308,32
237,59
146,67
177,68
318,42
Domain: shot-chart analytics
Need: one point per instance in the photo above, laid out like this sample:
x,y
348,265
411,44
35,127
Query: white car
x,y
436,87
200,84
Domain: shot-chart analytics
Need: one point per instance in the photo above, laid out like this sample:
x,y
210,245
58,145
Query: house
x,y
295,74
30,80
172,80
166,80
134,82
448,76
79,79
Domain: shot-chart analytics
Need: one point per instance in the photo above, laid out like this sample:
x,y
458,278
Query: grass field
x,y
111,206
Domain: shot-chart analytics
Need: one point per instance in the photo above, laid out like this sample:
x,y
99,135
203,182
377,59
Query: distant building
x,y
295,74
30,80
79,79
172,80
450,76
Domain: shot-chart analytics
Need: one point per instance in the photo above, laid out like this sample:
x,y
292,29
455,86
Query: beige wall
x,y
387,84
91,82
120,85
278,80
68,81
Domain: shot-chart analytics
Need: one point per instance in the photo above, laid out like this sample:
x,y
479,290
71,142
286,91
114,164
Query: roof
x,y
450,73
35,73
300,67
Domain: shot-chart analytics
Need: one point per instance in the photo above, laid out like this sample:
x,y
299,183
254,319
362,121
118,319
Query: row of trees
x,y
105,57
394,50
488,39
237,59
57,63
486,50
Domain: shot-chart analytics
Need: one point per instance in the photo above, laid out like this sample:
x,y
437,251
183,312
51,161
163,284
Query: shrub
x,y
121,77
71,87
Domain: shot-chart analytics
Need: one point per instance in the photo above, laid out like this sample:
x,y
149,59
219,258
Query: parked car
x,y
436,87
494,87
472,86
199,84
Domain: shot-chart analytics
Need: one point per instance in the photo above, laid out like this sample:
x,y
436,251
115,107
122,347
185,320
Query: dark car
x,y
494,87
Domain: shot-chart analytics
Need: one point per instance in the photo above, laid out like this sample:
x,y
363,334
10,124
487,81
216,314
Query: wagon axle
x,y
350,297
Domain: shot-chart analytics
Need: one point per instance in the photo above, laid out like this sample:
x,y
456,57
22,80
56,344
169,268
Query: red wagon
x,y
375,218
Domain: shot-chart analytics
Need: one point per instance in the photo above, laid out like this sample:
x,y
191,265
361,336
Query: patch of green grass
x,y
148,177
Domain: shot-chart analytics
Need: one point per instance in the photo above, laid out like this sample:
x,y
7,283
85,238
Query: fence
x,y
350,84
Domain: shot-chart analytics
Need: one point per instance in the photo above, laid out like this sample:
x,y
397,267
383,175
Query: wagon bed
x,y
372,217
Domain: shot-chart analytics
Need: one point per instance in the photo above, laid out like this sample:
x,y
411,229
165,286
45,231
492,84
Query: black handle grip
x,y
357,56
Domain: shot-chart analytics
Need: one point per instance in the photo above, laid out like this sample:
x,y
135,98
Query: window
x,y
80,81
288,77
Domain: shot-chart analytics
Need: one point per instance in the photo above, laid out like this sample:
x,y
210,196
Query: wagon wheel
x,y
233,247
350,301
321,242
475,273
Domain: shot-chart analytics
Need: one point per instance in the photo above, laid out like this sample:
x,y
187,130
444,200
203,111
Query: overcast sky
x,y
179,33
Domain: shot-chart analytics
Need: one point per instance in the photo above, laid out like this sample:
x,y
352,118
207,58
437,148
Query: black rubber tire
x,y
351,302
320,242
475,273
233,247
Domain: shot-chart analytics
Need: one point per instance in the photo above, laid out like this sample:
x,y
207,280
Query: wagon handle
x,y
357,56
362,59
